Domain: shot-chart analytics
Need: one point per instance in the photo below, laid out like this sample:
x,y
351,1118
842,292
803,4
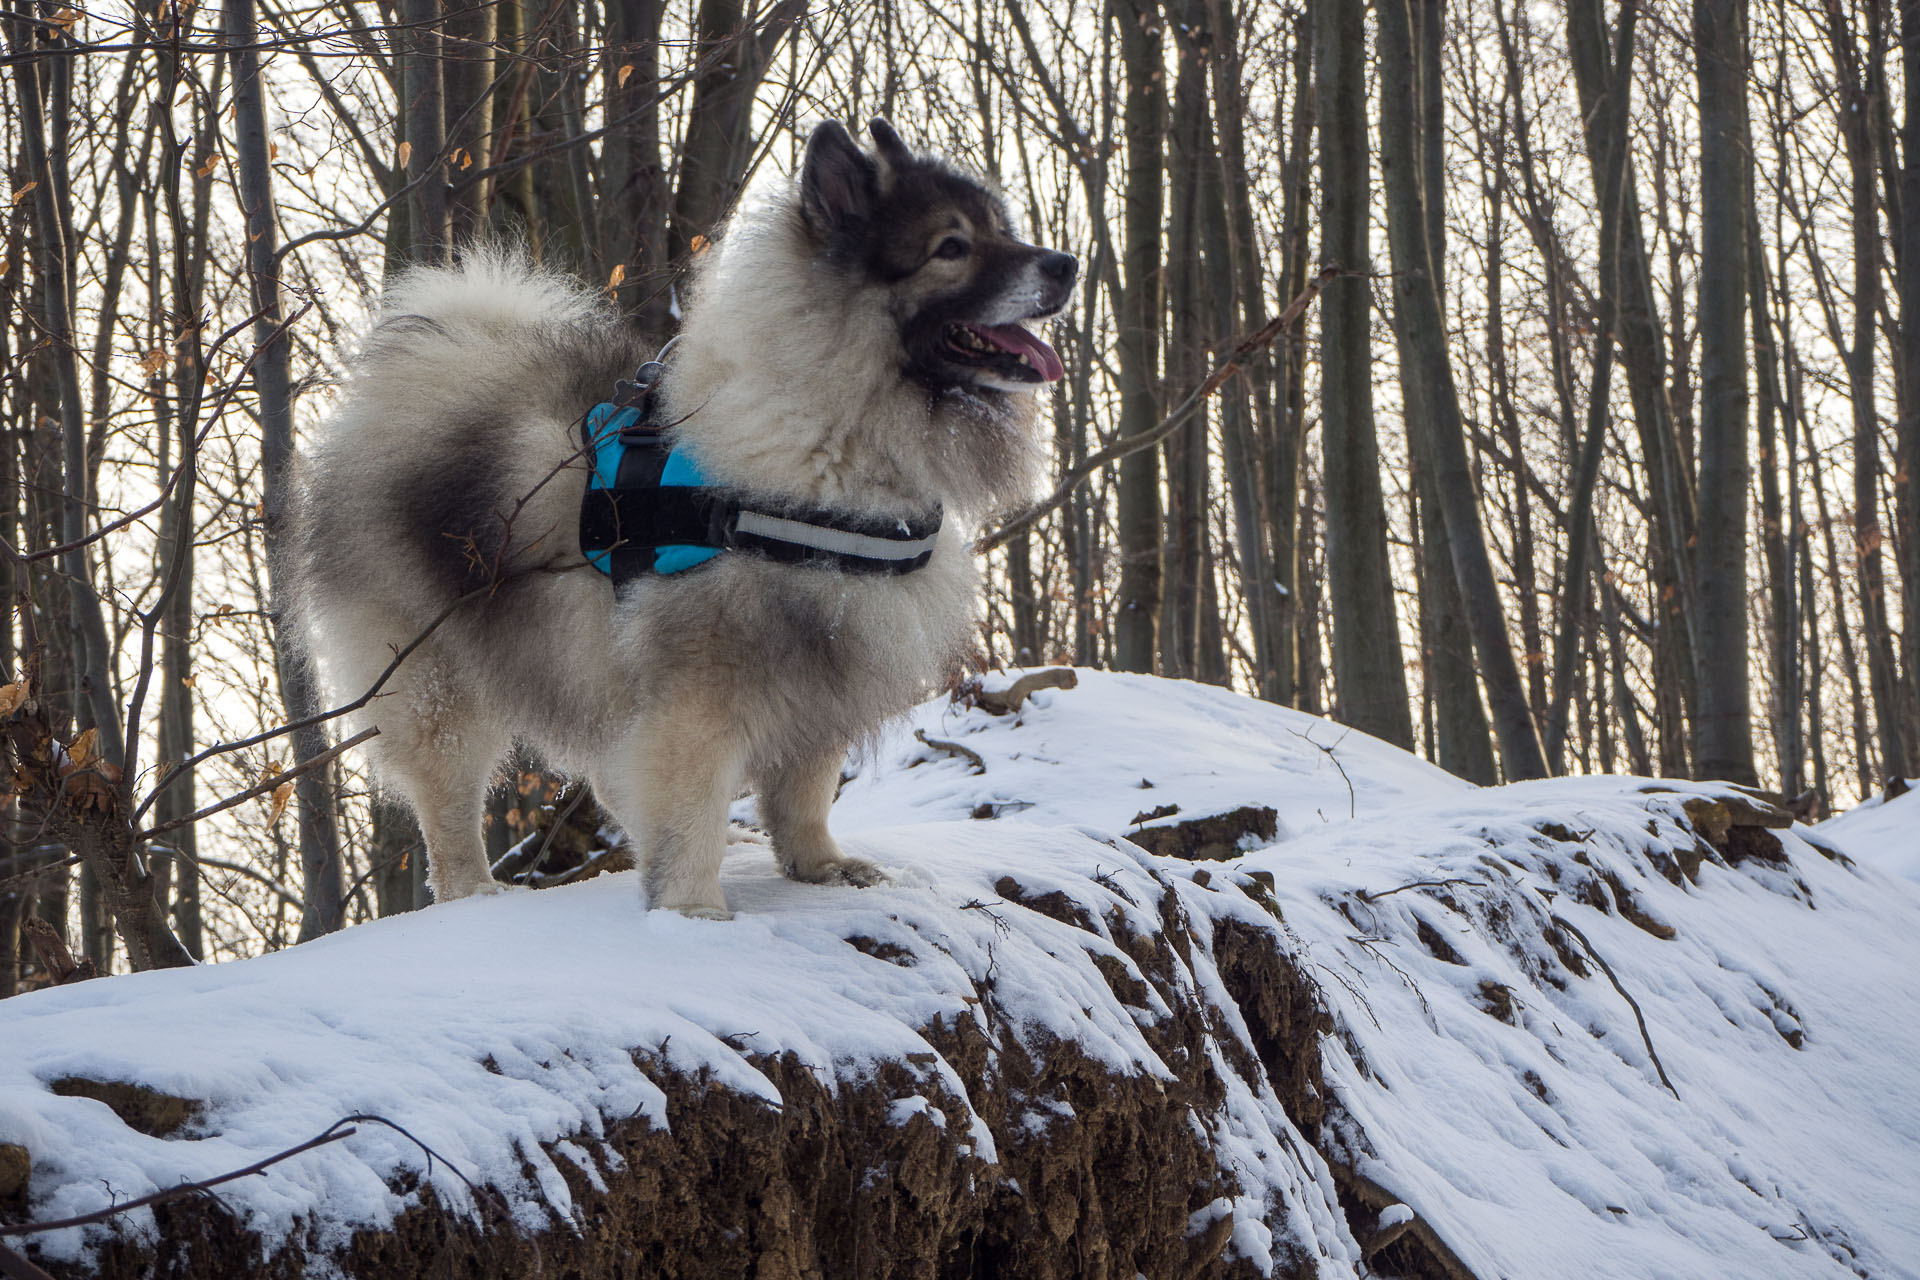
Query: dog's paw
x,y
476,889
705,913
857,872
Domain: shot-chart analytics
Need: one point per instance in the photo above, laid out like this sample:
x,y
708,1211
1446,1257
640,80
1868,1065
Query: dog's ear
x,y
839,183
893,151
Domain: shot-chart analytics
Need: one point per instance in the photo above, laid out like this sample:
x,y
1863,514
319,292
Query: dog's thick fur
x,y
811,368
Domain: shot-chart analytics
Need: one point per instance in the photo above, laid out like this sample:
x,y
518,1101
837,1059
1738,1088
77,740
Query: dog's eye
x,y
953,247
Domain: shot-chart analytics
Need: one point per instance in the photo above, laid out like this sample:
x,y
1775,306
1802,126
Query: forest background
x,y
1531,385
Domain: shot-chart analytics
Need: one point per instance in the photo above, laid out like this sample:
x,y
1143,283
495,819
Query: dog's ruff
x,y
809,369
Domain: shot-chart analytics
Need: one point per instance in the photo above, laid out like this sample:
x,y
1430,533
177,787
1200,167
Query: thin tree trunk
x,y
1289,517
1246,413
1137,341
1369,671
323,889
1624,269
1854,103
1461,740
1776,534
718,145
1189,155
424,79
1723,724
634,194
1906,466
1417,306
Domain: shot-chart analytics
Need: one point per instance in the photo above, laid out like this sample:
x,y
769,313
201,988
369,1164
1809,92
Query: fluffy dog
x,y
853,346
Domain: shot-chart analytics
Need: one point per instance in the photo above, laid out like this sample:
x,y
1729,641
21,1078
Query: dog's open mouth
x,y
1006,349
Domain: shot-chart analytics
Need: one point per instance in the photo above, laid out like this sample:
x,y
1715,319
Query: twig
x,y
1365,896
262,787
1353,801
1633,1004
954,748
333,1133
553,831
28,877
1246,348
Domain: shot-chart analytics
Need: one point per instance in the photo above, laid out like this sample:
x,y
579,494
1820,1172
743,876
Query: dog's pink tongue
x,y
1011,337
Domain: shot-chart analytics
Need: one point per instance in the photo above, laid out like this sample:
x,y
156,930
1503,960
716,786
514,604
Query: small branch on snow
x,y
953,748
1005,702
344,1127
1365,896
1633,1004
333,1133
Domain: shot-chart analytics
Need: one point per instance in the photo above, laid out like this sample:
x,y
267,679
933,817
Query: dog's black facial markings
x,y
963,285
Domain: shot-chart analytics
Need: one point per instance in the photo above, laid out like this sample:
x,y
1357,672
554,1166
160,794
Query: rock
x,y
156,1114
1215,838
16,1170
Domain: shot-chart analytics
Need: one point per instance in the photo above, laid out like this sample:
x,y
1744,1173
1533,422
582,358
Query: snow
x,y
1484,1072
1882,833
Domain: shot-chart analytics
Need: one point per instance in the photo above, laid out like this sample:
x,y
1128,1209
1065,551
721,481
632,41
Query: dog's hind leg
x,y
795,796
441,756
669,790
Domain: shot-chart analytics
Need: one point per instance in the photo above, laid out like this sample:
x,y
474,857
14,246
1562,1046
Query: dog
x,y
855,345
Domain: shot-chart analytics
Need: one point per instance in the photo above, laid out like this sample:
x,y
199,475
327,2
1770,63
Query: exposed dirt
x,y
1099,1173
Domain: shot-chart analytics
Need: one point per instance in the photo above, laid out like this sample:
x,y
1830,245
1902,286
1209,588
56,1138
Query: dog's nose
x,y
1059,267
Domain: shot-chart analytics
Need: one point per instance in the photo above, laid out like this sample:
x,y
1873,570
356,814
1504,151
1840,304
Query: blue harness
x,y
648,509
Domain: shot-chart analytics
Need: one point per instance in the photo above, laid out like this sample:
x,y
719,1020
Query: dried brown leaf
x,y
82,751
282,797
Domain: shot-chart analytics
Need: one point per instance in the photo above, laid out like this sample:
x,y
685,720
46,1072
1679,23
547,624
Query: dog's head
x,y
960,285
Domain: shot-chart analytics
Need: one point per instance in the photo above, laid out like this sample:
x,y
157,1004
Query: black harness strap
x,y
658,513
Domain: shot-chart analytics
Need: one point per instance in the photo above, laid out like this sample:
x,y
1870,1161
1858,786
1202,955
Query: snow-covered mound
x,y
1582,1028
1117,746
1882,833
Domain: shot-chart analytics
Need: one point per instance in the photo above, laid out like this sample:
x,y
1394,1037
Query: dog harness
x,y
648,509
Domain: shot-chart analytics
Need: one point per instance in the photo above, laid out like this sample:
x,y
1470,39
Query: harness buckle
x,y
637,392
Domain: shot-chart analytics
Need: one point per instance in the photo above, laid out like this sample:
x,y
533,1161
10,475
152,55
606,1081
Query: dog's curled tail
x,y
491,291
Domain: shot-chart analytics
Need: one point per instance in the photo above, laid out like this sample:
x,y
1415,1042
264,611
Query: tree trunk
x,y
323,901
634,193
467,98
1369,670
1417,312
1723,726
1906,466
424,85
1855,106
1137,340
718,146
1625,270
1189,155
1461,742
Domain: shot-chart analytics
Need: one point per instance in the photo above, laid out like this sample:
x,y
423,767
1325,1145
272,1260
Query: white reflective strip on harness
x,y
838,541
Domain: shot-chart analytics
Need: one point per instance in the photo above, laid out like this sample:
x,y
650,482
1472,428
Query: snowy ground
x,y
1882,833
1484,1069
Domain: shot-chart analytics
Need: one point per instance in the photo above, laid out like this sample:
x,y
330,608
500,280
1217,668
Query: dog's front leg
x,y
670,793
794,799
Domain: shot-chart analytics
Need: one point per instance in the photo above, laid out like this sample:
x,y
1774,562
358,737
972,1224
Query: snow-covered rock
x,y
1581,1028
